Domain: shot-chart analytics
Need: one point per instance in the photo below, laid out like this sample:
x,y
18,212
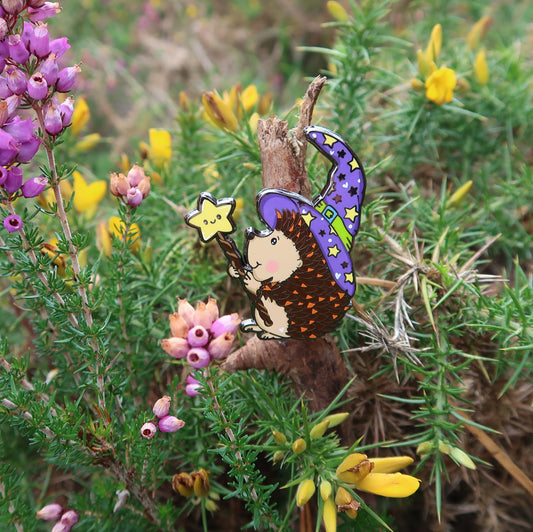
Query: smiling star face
x,y
212,216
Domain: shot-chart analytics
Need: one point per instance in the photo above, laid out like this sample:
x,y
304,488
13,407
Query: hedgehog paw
x,y
250,326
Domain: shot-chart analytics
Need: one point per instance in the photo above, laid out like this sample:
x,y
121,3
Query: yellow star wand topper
x,y
213,218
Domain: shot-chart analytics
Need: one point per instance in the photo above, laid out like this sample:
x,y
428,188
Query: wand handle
x,y
232,253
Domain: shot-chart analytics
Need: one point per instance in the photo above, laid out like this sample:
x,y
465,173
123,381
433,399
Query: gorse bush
x,y
130,400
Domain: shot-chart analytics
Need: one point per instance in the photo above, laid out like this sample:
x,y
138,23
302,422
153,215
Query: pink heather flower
x,y
14,179
34,186
37,87
28,149
3,175
16,80
3,28
135,175
134,197
50,512
170,424
70,518
52,120
21,130
221,346
202,316
39,43
162,406
178,326
60,527
198,336
49,69
212,308
176,347
186,311
59,46
192,388
13,223
8,148
66,78
227,323
148,430
198,357
17,50
47,10
13,7
66,109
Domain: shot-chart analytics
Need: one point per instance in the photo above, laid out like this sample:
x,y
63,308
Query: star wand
x,y
213,219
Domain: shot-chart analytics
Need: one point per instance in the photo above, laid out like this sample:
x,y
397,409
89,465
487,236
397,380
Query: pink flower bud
x,y
135,175
49,69
198,336
134,197
202,316
66,78
60,527
70,518
148,430
221,346
118,184
192,388
13,7
66,110
50,512
198,357
224,324
3,175
59,46
176,347
52,120
8,148
170,424
28,149
47,10
144,186
186,311
39,44
14,179
3,28
16,80
37,87
34,186
178,326
162,406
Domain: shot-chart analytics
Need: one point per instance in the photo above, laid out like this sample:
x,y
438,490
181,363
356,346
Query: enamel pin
x,y
298,272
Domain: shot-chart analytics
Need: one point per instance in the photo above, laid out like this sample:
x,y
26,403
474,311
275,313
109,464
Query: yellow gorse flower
x,y
435,43
478,31
80,116
481,68
116,227
87,196
337,11
160,150
440,85
88,142
378,475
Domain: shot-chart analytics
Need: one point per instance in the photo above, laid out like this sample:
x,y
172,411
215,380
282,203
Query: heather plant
x,y
129,398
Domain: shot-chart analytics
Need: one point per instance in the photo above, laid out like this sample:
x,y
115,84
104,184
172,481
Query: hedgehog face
x,y
273,256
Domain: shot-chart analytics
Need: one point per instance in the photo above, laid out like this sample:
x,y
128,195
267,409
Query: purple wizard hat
x,y
334,215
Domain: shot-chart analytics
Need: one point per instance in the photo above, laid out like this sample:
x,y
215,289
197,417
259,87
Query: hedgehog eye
x,y
274,241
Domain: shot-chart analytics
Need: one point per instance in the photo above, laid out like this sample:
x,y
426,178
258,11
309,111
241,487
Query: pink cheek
x,y
272,266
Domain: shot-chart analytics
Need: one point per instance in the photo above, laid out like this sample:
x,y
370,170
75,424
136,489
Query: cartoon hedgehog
x,y
299,272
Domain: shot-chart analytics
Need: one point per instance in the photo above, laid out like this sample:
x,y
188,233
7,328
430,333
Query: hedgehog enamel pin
x,y
298,272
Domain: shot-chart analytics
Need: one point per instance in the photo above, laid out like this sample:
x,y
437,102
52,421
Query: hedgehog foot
x,y
250,326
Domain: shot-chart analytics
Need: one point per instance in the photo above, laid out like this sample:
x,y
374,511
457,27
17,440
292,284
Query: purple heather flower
x,y
39,44
60,527
14,179
170,424
3,175
49,69
16,80
8,148
28,149
66,78
5,91
220,346
148,430
198,357
34,186
198,336
162,406
12,101
37,87
47,10
135,175
192,388
52,120
227,323
17,50
134,197
13,223
3,28
20,130
66,109
59,46
202,315
50,512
